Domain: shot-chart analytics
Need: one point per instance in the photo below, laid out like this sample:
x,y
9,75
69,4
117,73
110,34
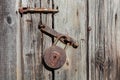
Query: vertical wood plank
x,y
117,19
94,37
111,39
7,40
47,41
104,40
72,20
19,57
34,42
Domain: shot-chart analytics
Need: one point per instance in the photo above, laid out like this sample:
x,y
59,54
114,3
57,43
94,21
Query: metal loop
x,y
66,45
61,36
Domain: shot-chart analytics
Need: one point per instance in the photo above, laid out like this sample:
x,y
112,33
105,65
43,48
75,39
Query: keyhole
x,y
54,60
54,57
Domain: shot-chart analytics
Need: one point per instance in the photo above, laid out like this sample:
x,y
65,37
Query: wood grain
x,y
72,20
7,40
104,40
34,43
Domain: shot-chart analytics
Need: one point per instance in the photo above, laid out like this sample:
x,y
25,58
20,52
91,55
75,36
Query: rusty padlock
x,y
55,57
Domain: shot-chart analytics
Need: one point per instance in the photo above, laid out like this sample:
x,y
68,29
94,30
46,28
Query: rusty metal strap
x,y
47,30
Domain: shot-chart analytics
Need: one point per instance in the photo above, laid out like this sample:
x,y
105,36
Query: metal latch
x,y
37,10
47,30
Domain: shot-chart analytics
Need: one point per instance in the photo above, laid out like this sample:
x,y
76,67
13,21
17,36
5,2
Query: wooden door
x,y
94,24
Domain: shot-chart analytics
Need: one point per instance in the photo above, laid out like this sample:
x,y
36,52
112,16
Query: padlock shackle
x,y
58,38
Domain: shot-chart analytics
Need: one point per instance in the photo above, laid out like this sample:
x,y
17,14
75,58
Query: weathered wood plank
x,y
117,19
103,39
111,38
7,40
19,53
34,42
72,20
94,36
46,40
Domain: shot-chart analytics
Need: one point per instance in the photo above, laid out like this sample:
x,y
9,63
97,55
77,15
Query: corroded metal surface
x,y
47,30
54,57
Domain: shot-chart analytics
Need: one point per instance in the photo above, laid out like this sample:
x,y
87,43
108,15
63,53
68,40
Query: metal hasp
x,y
47,30
37,10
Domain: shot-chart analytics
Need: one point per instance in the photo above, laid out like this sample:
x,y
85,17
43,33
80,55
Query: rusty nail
x,y
89,29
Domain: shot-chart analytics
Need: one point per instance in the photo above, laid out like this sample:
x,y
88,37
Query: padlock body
x,y
54,57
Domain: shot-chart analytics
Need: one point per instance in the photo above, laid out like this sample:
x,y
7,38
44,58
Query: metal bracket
x,y
37,10
47,30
